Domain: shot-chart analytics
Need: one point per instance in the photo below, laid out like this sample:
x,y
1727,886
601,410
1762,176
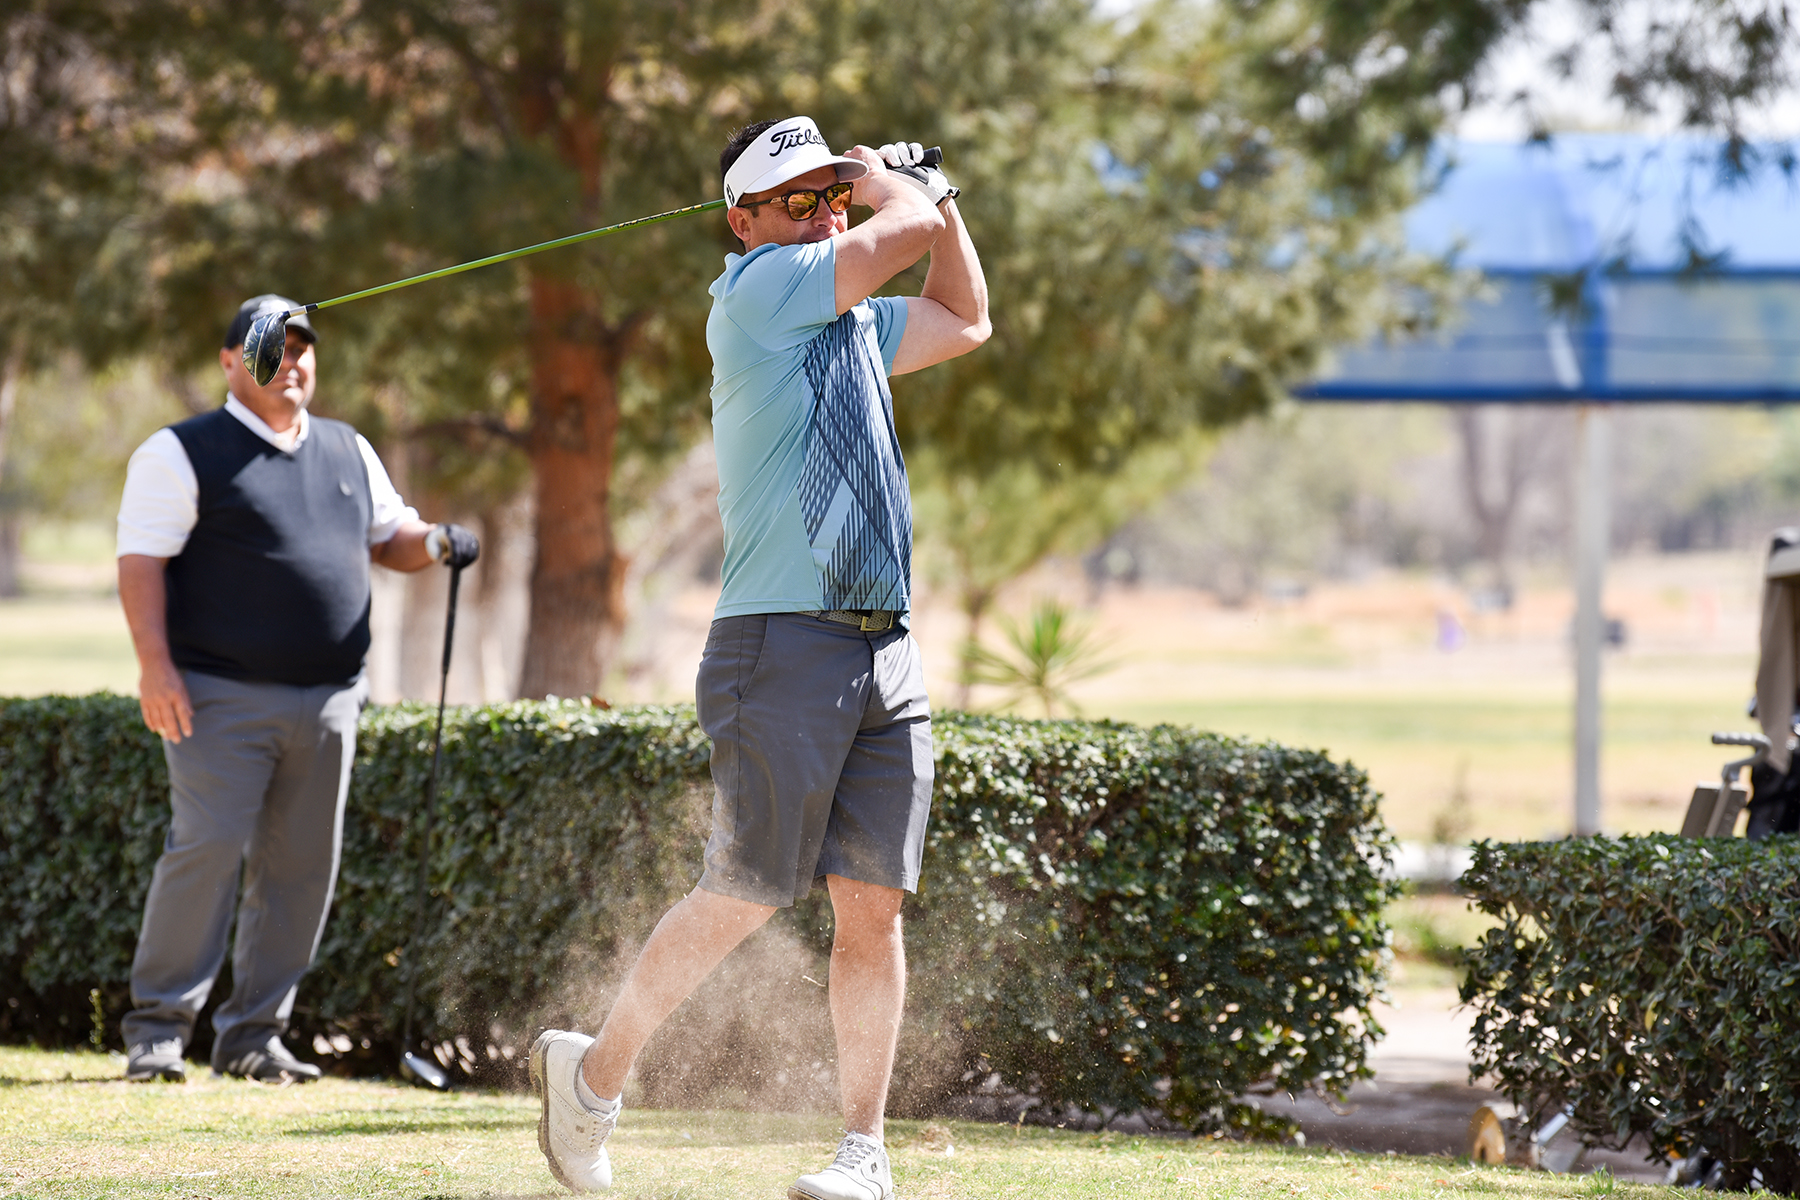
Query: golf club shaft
x,y
489,261
437,745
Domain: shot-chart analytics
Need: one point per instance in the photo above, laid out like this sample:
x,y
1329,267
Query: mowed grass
x,y
67,634
1509,757
1484,725
1506,750
68,644
73,1128
1351,671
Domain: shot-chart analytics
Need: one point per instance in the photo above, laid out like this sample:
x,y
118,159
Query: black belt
x,y
869,620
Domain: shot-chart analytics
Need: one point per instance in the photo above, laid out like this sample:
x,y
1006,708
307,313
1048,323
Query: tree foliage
x,y
1179,208
80,144
1712,64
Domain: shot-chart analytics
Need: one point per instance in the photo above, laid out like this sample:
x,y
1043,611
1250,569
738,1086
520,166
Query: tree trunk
x,y
975,601
577,580
10,374
578,576
10,582
1496,469
193,397
503,598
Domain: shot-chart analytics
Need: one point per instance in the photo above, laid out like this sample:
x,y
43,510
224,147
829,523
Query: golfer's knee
x,y
212,842
864,937
725,913
872,901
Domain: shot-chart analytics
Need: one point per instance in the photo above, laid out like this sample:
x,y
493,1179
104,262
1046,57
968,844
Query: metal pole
x,y
1592,534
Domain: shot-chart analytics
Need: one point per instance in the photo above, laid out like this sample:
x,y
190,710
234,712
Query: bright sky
x,y
1582,102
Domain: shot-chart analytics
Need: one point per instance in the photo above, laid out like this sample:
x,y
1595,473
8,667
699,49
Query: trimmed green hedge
x,y
1113,917
1652,982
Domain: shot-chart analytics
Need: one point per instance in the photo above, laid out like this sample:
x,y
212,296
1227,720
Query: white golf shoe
x,y
571,1135
859,1172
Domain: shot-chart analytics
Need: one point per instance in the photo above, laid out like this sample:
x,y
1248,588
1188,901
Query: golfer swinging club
x,y
810,685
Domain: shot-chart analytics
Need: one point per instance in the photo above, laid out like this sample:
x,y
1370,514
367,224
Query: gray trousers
x,y
259,786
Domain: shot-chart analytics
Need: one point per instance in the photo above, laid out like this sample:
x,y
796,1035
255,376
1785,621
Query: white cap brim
x,y
772,159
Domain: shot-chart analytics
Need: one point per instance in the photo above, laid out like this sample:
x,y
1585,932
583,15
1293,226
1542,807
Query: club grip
x,y
1741,739
933,157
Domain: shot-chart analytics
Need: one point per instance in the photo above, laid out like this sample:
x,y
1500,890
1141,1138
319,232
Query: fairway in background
x,y
67,632
1478,728
1351,668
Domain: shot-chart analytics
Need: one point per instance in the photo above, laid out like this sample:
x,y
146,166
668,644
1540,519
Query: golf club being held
x,y
414,1065
267,339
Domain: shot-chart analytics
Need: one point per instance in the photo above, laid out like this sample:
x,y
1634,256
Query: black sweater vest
x,y
273,584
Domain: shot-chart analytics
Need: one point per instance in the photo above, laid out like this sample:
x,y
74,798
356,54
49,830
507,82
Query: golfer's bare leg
x,y
868,992
691,939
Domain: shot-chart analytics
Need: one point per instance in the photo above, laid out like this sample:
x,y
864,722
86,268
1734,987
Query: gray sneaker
x,y
859,1172
271,1062
571,1135
159,1059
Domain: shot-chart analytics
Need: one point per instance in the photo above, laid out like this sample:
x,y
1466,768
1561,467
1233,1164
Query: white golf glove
x,y
907,160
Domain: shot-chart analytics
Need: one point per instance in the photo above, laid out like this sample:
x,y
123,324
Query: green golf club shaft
x,y
489,261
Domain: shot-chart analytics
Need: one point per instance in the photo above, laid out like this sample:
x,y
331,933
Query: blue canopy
x,y
1677,281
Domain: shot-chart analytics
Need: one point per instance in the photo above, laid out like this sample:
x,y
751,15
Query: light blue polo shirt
x,y
812,488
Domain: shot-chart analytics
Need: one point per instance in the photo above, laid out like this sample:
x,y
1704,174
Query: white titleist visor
x,y
784,151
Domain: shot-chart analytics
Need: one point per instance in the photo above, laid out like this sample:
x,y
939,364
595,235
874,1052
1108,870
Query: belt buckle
x,y
877,621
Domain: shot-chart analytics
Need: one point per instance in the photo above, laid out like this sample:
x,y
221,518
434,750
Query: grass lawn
x,y
67,633
75,1129
67,644
1508,754
1352,669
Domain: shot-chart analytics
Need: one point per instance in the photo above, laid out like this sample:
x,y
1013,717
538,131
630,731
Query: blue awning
x,y
1688,279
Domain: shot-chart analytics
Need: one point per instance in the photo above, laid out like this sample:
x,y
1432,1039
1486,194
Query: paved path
x,y
1420,1100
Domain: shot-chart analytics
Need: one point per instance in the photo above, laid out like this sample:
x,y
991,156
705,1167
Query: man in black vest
x,y
245,537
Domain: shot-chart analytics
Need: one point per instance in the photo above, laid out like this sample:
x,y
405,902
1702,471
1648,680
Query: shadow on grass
x,y
410,1124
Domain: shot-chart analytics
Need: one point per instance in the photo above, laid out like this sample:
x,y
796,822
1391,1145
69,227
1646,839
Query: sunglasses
x,y
803,204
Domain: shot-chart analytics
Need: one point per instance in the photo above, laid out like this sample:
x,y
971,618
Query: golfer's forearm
x,y
144,595
405,551
955,279
897,201
897,235
909,223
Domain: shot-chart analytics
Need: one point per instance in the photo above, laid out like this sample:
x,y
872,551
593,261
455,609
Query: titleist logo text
x,y
787,139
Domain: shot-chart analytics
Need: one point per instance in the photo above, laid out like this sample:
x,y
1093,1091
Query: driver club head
x,y
264,346
424,1072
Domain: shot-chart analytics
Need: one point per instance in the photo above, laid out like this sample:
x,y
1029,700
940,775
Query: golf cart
x,y
1773,794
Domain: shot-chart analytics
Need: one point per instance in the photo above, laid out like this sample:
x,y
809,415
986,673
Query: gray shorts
x,y
821,756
